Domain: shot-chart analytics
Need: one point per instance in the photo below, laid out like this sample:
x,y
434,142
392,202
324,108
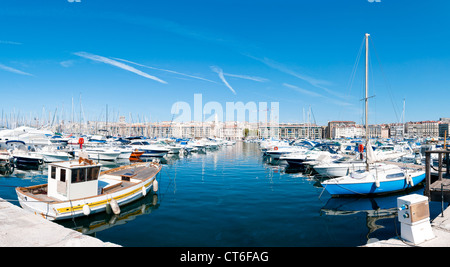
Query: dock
x,y
437,188
440,227
19,228
437,185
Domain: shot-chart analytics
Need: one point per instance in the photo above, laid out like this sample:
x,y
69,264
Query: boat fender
x,y
155,186
86,209
144,192
113,219
409,180
114,206
377,182
108,208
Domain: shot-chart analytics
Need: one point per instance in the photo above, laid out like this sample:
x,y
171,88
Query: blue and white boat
x,y
380,179
374,179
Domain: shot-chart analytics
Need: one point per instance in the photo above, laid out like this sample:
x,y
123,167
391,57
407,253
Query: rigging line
x,y
353,73
385,80
372,80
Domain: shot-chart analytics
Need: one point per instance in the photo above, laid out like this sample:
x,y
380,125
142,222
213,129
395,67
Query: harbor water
x,y
233,197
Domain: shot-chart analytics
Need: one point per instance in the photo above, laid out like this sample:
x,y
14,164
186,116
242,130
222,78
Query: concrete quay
x,y
19,228
441,230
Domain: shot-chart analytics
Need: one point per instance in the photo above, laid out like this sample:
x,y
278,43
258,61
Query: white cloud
x,y
118,64
4,67
278,66
170,71
221,76
9,42
67,63
301,90
311,80
314,94
252,78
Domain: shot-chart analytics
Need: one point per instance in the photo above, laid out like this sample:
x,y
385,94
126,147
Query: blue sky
x,y
140,57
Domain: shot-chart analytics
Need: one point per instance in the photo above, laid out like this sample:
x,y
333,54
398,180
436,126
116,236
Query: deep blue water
x,y
233,197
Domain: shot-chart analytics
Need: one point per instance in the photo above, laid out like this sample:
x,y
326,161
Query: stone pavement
x,y
19,228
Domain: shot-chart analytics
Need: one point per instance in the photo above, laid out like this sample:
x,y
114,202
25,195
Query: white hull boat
x,y
77,188
102,154
339,169
55,156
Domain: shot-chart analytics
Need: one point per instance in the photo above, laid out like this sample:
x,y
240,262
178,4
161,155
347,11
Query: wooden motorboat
x,y
78,188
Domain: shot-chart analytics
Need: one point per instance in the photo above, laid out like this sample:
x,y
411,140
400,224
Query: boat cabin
x,y
72,180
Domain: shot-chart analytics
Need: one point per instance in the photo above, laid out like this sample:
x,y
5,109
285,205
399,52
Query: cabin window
x,y
62,175
395,175
53,172
92,173
78,175
85,174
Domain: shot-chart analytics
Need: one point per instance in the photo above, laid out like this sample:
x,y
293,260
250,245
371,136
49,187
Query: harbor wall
x,y
19,228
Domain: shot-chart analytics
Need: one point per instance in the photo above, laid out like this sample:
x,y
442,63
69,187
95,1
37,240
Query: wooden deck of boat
x,y
138,172
135,173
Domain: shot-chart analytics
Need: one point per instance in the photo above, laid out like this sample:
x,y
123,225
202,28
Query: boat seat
x,y
104,189
107,184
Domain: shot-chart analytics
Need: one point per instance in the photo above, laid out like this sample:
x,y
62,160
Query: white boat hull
x,y
109,156
125,155
54,157
61,210
337,171
69,210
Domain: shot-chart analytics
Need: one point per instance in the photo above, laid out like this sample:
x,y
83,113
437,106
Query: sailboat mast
x,y
367,96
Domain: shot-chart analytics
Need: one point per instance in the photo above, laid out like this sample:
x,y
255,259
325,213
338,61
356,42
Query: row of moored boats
x,y
348,168
34,147
76,184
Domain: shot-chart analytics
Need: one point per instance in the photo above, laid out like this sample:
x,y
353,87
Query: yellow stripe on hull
x,y
99,203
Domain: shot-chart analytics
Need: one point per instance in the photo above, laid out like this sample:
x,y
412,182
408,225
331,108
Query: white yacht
x,y
149,149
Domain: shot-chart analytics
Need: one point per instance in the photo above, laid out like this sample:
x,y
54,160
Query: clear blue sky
x,y
299,53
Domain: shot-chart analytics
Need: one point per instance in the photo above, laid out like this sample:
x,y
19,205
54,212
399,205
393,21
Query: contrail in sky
x,y
118,64
171,71
220,73
4,67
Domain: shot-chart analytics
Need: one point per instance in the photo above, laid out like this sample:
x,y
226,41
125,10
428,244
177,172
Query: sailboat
x,y
374,179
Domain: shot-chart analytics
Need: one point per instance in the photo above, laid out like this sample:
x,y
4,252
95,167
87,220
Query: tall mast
x,y
367,97
403,117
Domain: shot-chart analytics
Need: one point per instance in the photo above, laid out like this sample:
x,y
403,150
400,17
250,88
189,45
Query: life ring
x,y
81,141
275,148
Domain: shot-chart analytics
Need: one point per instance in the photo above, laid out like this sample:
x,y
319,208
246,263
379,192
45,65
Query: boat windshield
x,y
145,143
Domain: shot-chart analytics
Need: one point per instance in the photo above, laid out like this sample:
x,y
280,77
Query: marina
x,y
232,125
233,195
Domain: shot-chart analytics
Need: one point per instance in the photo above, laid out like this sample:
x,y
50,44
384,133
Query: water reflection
x,y
217,197
375,209
91,225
